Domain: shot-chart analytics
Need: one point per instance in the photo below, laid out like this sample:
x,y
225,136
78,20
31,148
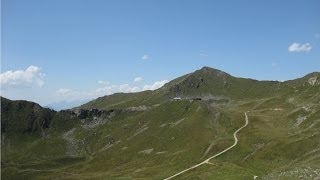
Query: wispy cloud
x,y
317,35
32,76
63,91
110,89
203,55
103,82
297,47
274,64
71,95
145,57
155,85
138,79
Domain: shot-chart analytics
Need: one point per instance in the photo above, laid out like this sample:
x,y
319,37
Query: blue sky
x,y
58,50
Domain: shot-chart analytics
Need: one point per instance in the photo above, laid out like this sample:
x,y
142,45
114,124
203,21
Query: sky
x,y
69,50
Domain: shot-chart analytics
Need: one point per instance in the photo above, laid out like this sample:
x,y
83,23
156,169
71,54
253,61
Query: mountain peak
x,y
313,74
206,68
201,82
211,71
313,78
309,79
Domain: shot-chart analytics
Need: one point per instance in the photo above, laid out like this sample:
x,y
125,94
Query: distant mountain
x,y
206,83
155,134
65,104
24,117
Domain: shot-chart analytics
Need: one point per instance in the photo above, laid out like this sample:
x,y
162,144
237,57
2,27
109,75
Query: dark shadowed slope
x,y
149,135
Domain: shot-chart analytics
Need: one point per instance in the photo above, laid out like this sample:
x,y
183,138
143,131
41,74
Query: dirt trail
x,y
216,155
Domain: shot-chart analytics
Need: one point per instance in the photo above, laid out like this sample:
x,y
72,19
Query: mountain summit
x,y
193,119
205,83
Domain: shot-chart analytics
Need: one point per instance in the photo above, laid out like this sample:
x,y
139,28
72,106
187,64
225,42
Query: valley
x,y
223,127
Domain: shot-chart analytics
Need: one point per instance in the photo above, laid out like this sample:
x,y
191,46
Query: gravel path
x,y
216,155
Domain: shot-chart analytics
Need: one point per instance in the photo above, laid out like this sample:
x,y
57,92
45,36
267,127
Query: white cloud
x,y
103,82
63,91
274,64
297,47
145,57
107,90
29,77
203,55
156,85
138,79
127,88
72,95
317,35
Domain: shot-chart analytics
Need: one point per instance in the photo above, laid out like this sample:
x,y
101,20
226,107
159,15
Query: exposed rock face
x,y
28,118
68,114
200,80
24,117
192,81
314,80
94,113
85,113
147,151
214,72
138,108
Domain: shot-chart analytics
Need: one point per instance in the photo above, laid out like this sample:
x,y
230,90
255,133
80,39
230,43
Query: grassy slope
x,y
205,83
185,143
280,142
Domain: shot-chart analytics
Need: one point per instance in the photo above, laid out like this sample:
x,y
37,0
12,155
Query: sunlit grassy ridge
x,y
148,135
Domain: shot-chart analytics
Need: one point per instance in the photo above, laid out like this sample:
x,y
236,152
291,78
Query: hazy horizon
x,y
55,51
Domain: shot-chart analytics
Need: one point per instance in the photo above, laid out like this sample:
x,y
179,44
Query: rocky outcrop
x,y
138,108
314,81
89,113
25,117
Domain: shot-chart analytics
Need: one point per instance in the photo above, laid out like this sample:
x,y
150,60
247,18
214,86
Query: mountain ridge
x,y
155,134
203,82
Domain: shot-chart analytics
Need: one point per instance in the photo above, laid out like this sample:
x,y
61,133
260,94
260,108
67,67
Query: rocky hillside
x,y
24,117
150,135
206,83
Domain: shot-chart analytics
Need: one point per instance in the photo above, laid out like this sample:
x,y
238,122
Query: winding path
x,y
216,155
